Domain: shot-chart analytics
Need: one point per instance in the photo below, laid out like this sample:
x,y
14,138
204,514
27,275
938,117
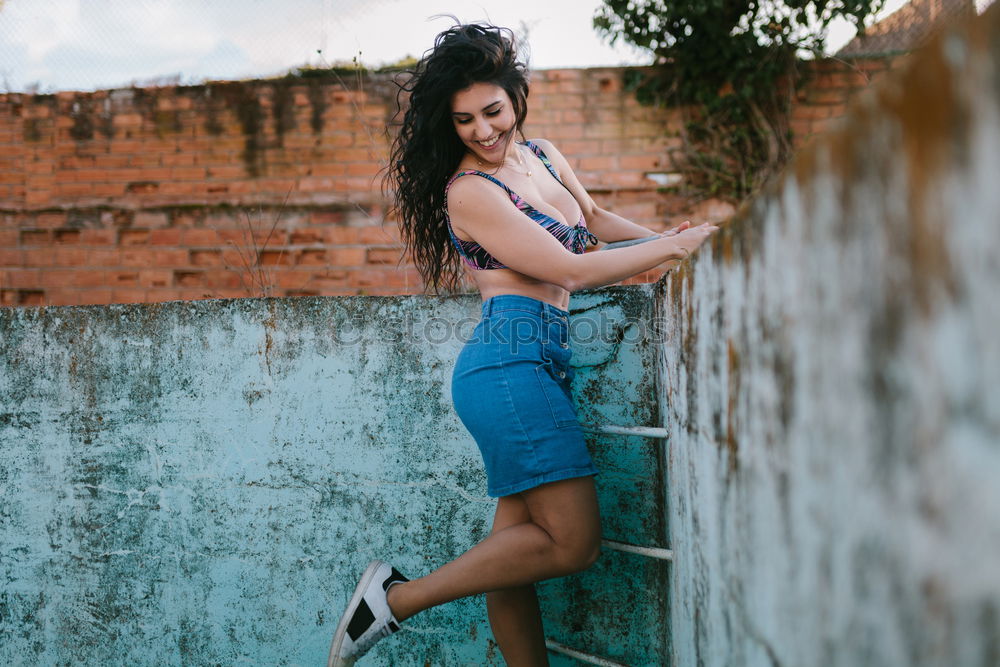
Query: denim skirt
x,y
511,389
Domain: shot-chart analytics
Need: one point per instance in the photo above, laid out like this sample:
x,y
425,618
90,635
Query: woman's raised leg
x,y
561,536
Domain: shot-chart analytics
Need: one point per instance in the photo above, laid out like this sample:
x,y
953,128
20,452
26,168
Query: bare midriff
x,y
507,281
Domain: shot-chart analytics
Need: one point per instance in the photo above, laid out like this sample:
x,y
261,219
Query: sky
x,y
48,45
89,44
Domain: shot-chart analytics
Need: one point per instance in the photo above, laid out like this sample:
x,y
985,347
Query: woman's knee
x,y
579,555
568,512
591,553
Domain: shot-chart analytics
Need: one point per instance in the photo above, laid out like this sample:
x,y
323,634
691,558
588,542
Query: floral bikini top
x,y
574,239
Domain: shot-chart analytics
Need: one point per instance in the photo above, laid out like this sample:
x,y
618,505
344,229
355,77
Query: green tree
x,y
731,67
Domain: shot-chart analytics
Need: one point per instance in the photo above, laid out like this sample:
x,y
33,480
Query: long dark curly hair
x,y
427,149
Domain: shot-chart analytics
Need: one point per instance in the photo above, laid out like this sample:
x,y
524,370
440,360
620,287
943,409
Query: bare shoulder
x,y
468,197
547,147
552,153
470,190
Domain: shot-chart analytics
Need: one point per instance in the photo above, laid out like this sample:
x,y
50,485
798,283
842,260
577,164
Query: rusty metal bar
x,y
643,431
580,655
650,552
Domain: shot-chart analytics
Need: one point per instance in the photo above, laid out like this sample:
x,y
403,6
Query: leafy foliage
x,y
731,66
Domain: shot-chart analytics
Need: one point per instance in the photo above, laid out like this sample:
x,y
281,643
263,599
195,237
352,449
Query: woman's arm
x,y
483,212
607,226
610,227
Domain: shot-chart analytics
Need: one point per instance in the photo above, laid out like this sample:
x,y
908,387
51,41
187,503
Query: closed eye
x,y
490,114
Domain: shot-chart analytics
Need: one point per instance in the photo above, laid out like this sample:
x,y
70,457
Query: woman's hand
x,y
677,230
688,238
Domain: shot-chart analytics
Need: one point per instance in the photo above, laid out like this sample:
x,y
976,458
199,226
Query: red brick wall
x,y
270,187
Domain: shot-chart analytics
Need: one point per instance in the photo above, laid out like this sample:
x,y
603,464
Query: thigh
x,y
567,510
511,510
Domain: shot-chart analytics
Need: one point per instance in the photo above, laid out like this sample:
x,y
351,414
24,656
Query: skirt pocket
x,y
554,381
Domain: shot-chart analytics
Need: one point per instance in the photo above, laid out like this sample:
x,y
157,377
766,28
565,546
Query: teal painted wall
x,y
200,483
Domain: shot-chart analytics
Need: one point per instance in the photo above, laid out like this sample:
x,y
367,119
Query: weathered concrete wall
x,y
830,382
200,483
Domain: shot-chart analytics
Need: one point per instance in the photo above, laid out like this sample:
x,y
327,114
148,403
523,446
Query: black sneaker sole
x,y
334,659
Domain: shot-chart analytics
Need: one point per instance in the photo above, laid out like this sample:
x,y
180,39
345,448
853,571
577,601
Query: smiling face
x,y
484,120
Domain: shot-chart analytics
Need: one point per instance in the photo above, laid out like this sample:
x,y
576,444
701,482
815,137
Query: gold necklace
x,y
503,163
520,160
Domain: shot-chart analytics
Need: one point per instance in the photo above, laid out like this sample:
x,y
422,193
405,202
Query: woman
x,y
520,220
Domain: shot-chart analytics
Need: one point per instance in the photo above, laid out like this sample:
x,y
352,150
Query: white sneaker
x,y
367,618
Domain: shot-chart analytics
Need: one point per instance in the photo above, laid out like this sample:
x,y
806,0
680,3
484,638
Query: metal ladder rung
x,y
648,432
580,655
643,431
650,552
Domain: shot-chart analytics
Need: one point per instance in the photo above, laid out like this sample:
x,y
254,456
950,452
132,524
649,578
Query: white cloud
x,y
560,31
42,31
